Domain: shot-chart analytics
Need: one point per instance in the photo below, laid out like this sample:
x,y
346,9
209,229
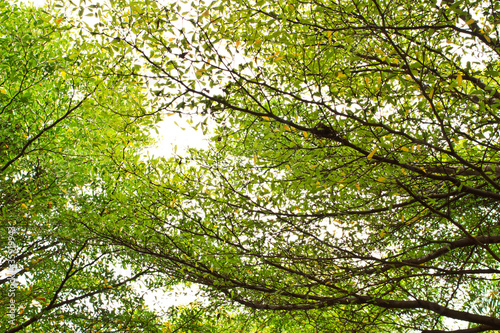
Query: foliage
x,y
354,167
64,124
352,179
223,317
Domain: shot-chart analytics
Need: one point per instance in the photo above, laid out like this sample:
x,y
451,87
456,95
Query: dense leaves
x,y
354,167
352,179
63,126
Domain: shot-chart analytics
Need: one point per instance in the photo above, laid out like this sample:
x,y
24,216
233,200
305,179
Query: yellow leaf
x,y
487,38
415,219
382,233
379,80
369,157
255,159
357,186
258,41
381,179
24,206
340,74
314,166
278,58
170,114
329,34
237,43
266,118
367,81
63,74
205,13
59,20
306,134
469,22
3,91
379,51
286,128
288,167
404,149
459,79
171,39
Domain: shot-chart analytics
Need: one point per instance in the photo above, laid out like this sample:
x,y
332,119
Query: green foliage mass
x,y
65,124
351,183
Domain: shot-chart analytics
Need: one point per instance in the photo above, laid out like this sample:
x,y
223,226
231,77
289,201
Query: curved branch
x,y
485,321
460,243
480,328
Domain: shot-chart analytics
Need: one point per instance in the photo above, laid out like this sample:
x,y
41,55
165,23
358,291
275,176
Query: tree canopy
x,y
351,184
64,124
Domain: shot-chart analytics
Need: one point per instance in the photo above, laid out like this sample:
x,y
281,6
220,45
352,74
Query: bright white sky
x,y
175,131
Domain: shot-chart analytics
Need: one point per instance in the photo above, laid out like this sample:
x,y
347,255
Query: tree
x,y
354,167
61,120
352,182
